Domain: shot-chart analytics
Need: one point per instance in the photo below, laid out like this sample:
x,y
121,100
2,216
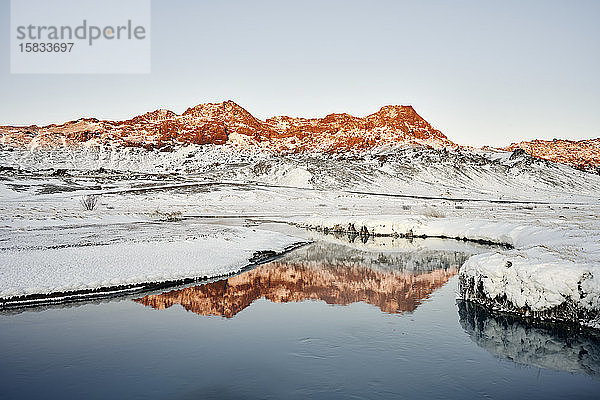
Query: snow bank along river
x,y
57,271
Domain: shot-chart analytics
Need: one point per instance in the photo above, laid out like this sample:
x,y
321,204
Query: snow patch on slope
x,y
418,171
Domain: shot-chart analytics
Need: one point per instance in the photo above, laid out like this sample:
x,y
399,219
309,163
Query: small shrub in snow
x,y
433,213
406,207
172,216
524,208
90,201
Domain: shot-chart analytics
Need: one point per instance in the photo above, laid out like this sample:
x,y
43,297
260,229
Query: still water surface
x,y
327,321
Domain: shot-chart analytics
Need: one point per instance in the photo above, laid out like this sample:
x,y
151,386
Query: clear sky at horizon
x,y
482,72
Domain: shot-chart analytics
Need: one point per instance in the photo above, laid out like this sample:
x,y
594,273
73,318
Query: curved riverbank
x,y
30,276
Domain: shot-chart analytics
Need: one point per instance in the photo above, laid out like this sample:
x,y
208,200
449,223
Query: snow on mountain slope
x,y
229,125
414,171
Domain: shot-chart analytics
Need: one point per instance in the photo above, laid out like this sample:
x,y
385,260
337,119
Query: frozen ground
x,y
56,264
549,214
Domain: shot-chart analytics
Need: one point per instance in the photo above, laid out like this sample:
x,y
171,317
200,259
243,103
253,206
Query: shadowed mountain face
x,y
556,347
393,282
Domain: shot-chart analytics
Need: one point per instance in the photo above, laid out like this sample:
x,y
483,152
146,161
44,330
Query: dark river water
x,y
325,322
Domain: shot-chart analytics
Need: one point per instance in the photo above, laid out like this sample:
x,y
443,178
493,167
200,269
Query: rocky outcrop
x,y
582,154
229,124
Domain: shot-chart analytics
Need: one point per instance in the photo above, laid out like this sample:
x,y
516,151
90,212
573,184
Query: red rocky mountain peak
x,y
229,124
583,154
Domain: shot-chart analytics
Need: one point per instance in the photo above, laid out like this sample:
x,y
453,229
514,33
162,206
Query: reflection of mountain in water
x,y
542,345
394,282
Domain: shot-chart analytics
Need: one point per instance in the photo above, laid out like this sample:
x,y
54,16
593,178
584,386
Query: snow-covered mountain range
x,y
230,125
582,154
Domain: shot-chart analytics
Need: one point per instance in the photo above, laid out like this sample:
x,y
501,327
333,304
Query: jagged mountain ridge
x,y
231,125
228,123
582,154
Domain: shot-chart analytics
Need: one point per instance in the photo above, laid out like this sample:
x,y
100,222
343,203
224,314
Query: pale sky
x,y
483,72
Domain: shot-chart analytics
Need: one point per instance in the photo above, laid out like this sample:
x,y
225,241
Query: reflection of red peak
x,y
230,124
283,282
583,154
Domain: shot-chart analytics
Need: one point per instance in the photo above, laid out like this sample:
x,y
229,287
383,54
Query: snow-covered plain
x,y
212,251
549,214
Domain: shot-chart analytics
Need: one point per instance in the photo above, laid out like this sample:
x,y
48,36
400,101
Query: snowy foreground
x,y
133,265
546,216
